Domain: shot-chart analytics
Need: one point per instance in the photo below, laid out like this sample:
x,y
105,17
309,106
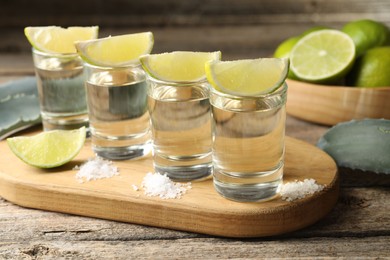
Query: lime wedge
x,y
179,66
247,77
322,56
54,39
116,51
48,149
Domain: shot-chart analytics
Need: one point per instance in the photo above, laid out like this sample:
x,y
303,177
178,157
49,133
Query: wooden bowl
x,y
330,105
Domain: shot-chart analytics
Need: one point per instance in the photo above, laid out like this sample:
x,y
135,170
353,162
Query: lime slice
x,y
247,77
322,56
179,66
54,39
48,149
116,51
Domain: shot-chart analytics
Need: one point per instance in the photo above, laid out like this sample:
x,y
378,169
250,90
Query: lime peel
x,y
250,77
116,51
48,149
370,70
178,66
367,34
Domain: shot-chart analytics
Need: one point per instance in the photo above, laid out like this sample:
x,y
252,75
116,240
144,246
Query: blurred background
x,y
238,28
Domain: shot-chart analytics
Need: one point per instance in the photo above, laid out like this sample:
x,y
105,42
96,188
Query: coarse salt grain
x,y
299,189
96,168
161,186
135,187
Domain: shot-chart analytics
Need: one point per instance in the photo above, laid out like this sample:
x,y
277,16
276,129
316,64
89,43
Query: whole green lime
x,y
371,69
367,34
284,49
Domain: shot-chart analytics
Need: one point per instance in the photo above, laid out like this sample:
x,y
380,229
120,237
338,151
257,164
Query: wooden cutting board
x,y
200,210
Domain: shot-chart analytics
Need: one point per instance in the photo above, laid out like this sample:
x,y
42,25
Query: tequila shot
x,y
181,128
60,81
248,144
118,113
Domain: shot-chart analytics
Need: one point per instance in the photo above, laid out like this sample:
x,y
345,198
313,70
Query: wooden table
x,y
358,227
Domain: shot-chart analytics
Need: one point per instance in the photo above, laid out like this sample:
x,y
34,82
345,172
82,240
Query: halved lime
x,y
322,56
284,48
48,149
178,66
116,51
249,77
54,39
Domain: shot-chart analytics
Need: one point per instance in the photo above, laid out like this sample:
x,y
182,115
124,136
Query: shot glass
x,y
118,113
181,128
248,144
60,81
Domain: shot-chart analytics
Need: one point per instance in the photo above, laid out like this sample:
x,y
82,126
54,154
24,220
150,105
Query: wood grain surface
x,y
358,227
240,29
202,210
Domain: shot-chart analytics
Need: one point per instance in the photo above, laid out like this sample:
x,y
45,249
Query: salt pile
x,y
96,168
299,189
161,186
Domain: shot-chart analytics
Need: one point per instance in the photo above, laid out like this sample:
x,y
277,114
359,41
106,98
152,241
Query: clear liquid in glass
x,y
181,129
61,92
119,119
248,147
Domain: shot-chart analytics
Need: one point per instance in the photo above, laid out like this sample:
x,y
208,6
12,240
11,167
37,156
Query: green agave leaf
x,y
27,85
359,144
19,106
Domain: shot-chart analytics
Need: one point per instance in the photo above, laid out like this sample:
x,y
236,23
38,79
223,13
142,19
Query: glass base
x,y
185,173
248,193
64,122
123,153
253,187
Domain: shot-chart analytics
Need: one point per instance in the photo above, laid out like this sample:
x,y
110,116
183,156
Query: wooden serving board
x,y
200,210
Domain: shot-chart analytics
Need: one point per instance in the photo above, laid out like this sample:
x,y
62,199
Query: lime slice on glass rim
x,y
323,56
116,51
55,39
178,66
250,77
48,149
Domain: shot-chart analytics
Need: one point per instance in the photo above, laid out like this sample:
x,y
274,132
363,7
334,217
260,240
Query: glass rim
x,y
134,65
176,83
278,91
52,54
